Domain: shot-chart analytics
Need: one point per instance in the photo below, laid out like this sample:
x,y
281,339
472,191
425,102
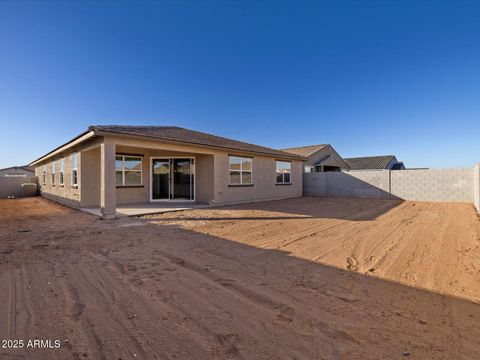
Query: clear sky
x,y
368,77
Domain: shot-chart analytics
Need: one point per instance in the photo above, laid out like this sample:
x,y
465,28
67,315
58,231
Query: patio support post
x,y
108,191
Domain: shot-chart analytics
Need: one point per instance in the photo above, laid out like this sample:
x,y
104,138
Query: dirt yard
x,y
295,279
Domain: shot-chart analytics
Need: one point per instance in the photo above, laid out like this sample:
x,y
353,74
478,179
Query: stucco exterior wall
x,y
449,185
264,178
211,174
65,194
211,186
90,177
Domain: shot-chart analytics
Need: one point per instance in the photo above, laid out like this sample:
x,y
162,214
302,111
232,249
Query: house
x,y
17,171
320,158
385,162
17,181
110,165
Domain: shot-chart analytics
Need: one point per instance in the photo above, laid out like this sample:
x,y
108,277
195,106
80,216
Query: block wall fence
x,y
443,185
12,186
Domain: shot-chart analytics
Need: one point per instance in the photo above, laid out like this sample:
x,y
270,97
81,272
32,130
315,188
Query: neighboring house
x,y
320,158
111,165
387,162
17,171
17,181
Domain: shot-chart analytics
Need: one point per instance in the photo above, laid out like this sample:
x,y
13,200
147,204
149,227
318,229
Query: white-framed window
x,y
309,169
61,171
284,172
53,172
44,168
128,170
74,159
240,170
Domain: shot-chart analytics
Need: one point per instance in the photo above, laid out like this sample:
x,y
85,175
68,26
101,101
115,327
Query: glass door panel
x,y
160,179
183,179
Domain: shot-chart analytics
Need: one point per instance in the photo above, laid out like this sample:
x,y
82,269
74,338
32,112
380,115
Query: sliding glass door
x,y
160,179
173,179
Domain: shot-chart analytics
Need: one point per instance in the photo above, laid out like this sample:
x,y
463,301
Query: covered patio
x,y
130,177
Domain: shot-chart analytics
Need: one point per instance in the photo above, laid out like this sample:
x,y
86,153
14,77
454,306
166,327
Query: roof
x,y
305,150
370,162
23,167
176,134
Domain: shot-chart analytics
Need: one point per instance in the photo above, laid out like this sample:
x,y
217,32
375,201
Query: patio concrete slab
x,y
147,208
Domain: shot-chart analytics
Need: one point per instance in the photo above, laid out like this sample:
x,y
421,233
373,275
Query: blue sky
x,y
368,77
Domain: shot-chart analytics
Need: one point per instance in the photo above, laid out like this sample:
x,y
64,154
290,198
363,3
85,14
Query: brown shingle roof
x,y
174,133
370,162
305,150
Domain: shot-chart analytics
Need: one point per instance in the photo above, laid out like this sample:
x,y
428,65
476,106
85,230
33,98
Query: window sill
x,y
129,186
75,186
282,184
240,185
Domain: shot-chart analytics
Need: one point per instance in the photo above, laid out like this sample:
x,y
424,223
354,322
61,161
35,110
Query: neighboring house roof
x,y
328,155
327,160
175,134
305,150
23,167
370,162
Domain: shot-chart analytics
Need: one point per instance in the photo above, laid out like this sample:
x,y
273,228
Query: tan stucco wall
x,y
65,194
264,179
90,177
211,174
203,175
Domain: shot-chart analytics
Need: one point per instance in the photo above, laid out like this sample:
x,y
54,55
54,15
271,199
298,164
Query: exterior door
x,y
183,179
161,179
173,179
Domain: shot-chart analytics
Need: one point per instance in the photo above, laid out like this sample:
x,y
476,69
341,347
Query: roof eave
x,y
284,155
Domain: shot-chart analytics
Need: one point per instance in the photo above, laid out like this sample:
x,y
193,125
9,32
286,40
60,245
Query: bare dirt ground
x,y
293,279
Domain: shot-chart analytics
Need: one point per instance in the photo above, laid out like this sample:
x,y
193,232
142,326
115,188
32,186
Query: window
x,y
61,171
284,171
44,175
74,159
128,170
53,172
240,170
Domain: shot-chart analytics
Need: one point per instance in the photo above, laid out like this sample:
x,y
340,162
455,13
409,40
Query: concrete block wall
x,y
315,184
361,184
456,185
433,184
12,186
476,187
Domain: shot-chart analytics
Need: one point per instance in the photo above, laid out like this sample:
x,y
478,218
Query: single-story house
x,y
385,162
17,171
17,181
110,165
320,158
